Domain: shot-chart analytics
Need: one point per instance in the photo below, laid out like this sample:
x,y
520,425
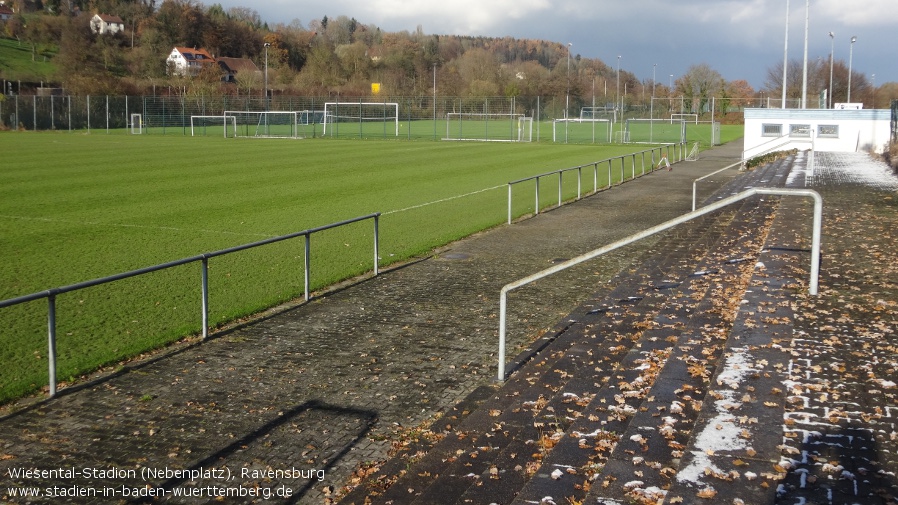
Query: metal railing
x,y
815,250
775,144
695,182
51,294
676,148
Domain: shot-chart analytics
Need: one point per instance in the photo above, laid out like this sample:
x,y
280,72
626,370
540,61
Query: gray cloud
x,y
741,39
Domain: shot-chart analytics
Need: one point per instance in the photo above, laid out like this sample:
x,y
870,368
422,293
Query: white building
x,y
187,61
833,130
105,23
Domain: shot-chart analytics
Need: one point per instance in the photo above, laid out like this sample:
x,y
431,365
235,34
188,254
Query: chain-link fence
x,y
521,118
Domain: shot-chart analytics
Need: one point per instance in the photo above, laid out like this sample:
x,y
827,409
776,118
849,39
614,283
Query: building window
x,y
828,131
771,130
800,130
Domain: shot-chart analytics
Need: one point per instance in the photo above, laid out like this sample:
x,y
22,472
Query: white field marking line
x,y
122,225
443,200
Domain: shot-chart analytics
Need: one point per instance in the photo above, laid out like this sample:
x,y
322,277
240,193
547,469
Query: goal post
x,y
360,118
265,124
136,124
582,130
654,131
200,125
488,127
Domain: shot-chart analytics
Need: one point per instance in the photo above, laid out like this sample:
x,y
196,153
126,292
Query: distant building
x,y
6,13
187,61
105,23
234,66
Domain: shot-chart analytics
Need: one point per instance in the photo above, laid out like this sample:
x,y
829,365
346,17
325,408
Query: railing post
x,y
509,203
205,294
308,264
623,167
633,165
51,342
595,177
537,196
579,181
609,172
376,244
503,303
560,178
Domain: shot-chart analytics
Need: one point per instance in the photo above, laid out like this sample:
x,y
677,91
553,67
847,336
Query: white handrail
x,y
695,182
815,250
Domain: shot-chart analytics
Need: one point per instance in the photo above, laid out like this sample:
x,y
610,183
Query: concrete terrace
x,y
651,360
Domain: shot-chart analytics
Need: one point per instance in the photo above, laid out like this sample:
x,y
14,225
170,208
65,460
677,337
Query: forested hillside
x,y
329,56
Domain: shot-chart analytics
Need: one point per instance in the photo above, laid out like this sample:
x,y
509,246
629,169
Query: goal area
x,y
651,131
360,118
488,127
264,124
582,130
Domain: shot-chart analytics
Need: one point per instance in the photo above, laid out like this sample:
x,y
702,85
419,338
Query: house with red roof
x,y
106,23
187,61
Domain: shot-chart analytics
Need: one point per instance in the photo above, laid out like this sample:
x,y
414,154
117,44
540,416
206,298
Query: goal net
x,y
360,119
225,126
595,112
655,131
265,124
582,130
488,127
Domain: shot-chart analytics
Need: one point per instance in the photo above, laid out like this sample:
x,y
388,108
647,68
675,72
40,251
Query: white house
x,y
105,23
187,61
833,130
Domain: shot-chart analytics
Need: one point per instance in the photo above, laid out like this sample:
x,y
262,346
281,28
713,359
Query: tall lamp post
x,y
850,54
267,45
832,48
652,105
567,98
617,101
786,57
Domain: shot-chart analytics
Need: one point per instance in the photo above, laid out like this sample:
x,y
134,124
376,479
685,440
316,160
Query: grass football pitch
x,y
76,207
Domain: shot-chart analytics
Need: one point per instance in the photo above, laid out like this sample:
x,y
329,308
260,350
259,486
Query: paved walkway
x,y
287,407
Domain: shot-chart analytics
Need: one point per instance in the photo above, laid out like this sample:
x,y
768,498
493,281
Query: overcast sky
x,y
741,39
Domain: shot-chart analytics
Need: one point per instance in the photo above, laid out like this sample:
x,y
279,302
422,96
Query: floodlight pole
x,y
567,98
832,49
267,45
652,105
785,57
618,87
850,54
804,79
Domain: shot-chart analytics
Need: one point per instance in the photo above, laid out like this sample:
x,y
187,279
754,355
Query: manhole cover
x,y
455,256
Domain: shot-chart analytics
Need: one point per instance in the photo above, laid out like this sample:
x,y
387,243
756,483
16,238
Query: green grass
x,y
18,63
75,207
